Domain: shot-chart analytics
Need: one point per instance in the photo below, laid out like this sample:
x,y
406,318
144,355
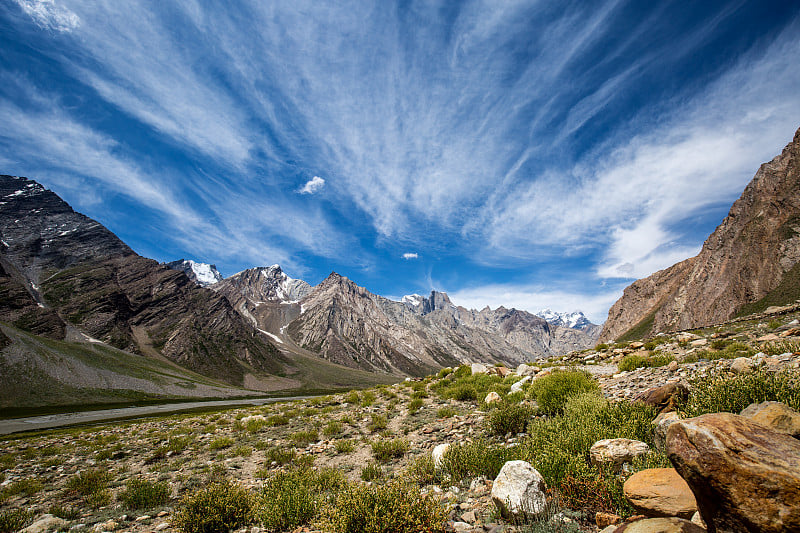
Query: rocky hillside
x,y
62,270
749,263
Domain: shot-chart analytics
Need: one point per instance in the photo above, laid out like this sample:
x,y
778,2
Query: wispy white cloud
x,y
313,185
410,255
50,15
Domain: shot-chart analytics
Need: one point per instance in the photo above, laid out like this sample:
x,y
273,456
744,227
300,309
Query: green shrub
x,y
720,344
632,362
781,347
305,437
26,487
476,458
242,451
177,444
774,324
352,398
391,508
385,450
277,420
13,520
334,427
220,443
371,472
89,482
552,392
422,471
287,500
377,422
509,419
367,398
143,494
281,456
721,392
414,406
446,412
219,508
344,446
67,513
464,393
600,347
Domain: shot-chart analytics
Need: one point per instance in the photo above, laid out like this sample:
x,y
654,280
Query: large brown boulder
x,y
665,396
659,492
775,415
745,477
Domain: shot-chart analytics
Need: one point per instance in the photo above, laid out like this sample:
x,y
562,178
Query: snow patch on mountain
x,y
414,300
203,274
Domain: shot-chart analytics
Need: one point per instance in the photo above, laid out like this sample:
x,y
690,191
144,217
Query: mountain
x,y
751,261
574,320
65,274
347,324
203,274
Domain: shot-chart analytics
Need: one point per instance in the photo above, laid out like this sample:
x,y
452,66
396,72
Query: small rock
x,y
660,525
768,337
162,514
742,365
616,451
492,397
519,384
518,490
606,519
162,526
699,342
438,454
479,368
672,366
774,415
698,519
660,492
468,517
461,526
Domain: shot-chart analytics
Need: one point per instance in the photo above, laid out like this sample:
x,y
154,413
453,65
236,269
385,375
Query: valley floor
x,y
89,476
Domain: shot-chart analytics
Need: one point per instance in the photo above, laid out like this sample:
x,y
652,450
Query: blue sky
x,y
531,154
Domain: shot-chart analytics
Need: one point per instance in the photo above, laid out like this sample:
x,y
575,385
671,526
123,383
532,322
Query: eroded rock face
x,y
774,415
519,489
741,262
660,492
745,477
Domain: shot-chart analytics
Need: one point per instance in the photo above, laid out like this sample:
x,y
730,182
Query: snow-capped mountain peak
x,y
574,320
414,300
203,274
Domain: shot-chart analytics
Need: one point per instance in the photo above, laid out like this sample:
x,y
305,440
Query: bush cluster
x,y
632,362
144,494
221,507
552,392
510,418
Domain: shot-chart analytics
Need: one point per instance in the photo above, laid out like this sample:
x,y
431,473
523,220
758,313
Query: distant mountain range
x,y
348,325
73,296
751,261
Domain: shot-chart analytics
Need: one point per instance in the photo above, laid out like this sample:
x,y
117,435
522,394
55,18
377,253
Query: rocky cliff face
x,y
349,325
77,273
750,259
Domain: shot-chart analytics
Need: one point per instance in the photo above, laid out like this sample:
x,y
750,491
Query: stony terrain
x,y
747,264
372,436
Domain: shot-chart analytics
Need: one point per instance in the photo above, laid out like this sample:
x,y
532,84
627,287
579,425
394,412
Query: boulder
x,y
501,371
527,370
516,387
519,490
478,368
662,423
616,451
604,520
746,477
660,525
492,397
46,523
776,416
438,454
664,396
742,365
699,342
658,492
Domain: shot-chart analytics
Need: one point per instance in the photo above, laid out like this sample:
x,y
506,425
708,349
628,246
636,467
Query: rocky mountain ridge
x,y
751,261
203,274
63,271
348,325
